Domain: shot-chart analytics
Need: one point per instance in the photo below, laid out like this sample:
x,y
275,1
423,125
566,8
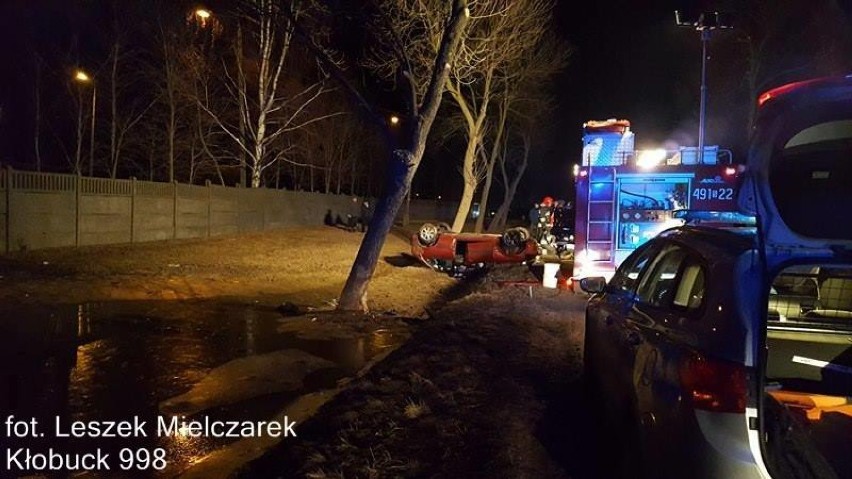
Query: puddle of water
x,y
113,361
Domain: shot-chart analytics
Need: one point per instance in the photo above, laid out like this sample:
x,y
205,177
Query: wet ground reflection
x,y
112,361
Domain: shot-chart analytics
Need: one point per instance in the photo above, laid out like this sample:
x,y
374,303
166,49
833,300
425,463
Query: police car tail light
x,y
714,385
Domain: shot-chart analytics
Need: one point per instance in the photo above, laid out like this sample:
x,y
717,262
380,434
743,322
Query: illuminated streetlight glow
x,y
81,76
394,119
203,14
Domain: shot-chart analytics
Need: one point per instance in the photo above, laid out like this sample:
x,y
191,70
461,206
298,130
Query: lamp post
x,y
82,77
706,23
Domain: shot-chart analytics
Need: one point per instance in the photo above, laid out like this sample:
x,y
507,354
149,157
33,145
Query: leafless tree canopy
x,y
494,58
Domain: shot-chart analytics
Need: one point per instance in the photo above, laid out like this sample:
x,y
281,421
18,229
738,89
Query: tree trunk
x,y
328,180
78,158
277,175
255,176
113,147
172,132
483,198
503,212
352,177
403,166
37,133
470,183
354,295
92,130
151,163
492,159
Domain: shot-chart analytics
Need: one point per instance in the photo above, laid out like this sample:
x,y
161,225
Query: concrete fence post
x,y
78,193
209,207
174,209
132,209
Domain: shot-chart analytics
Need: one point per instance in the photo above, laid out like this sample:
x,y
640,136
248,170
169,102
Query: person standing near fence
x,y
366,215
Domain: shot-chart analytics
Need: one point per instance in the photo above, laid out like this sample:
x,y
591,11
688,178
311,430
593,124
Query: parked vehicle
x,y
460,254
726,352
626,196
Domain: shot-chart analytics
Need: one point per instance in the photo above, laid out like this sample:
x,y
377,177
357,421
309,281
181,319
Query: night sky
x,y
629,61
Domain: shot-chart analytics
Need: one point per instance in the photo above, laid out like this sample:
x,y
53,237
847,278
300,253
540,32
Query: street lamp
x,y
82,77
394,120
706,23
206,20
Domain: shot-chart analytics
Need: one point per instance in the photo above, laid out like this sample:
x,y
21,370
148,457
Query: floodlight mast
x,y
706,23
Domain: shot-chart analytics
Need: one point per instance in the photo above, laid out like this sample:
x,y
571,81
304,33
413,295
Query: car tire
x,y
427,235
514,240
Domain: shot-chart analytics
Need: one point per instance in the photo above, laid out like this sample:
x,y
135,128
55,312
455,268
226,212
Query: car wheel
x,y
428,234
514,240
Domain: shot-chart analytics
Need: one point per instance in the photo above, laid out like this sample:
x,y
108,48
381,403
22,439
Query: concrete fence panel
x,y
41,219
274,210
153,211
41,210
192,211
302,208
105,211
430,210
224,210
251,210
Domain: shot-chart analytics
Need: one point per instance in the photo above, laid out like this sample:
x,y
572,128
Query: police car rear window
x,y
809,178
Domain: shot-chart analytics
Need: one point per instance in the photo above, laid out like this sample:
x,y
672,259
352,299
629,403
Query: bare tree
x,y
169,77
255,83
416,51
39,66
126,110
501,33
524,101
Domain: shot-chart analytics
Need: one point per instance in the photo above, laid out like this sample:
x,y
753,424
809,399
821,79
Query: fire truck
x,y
626,196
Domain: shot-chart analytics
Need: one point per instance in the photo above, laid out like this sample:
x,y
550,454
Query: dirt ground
x,y
305,266
488,388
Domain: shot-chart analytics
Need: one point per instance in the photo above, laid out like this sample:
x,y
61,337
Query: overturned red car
x,y
459,254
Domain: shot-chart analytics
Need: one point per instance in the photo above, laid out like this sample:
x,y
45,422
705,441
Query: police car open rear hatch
x,y
799,178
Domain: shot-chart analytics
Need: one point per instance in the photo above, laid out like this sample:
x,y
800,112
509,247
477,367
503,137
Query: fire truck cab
x,y
625,196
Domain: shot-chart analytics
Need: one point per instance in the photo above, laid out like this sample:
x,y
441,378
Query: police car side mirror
x,y
593,285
